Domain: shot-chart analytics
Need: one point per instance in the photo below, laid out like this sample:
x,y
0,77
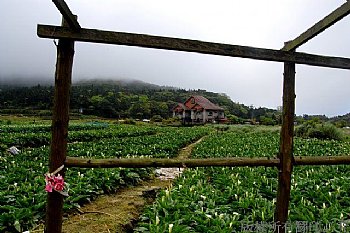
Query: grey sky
x,y
266,24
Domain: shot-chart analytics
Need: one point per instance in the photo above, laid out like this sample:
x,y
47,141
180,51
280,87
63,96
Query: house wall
x,y
211,115
177,114
197,115
200,115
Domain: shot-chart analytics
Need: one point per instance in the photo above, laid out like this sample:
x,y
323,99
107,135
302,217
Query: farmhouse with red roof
x,y
198,109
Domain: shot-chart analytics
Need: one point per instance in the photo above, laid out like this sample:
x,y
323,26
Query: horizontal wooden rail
x,y
211,162
321,160
186,45
319,27
150,162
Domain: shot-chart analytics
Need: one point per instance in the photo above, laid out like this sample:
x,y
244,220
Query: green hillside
x,y
120,99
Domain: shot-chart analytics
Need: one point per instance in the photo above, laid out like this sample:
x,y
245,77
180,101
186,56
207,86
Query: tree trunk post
x,y
60,120
286,148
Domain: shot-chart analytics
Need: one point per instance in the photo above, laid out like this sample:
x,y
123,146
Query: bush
x,y
320,131
171,121
156,118
44,113
267,121
129,121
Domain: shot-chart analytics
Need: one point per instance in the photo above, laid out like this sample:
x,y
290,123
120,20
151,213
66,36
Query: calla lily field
x,y
208,199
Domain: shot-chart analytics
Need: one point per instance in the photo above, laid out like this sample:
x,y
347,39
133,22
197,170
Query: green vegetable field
x,y
22,194
229,199
200,200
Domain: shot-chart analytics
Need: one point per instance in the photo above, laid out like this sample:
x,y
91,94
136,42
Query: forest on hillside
x,y
114,99
137,100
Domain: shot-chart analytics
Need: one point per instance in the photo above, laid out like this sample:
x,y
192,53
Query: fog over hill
x,y
25,81
45,81
124,83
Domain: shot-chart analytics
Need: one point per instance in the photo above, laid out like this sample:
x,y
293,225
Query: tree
x,y
140,109
159,108
264,120
234,119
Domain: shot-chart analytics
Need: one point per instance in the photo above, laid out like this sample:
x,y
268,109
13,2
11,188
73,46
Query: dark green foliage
x,y
116,99
341,121
267,121
129,121
234,119
173,121
2,148
156,118
313,129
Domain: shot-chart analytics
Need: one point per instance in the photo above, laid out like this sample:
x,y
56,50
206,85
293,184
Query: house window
x,y
193,101
210,113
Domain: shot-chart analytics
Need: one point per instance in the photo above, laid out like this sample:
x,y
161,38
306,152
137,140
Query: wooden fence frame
x,y
70,31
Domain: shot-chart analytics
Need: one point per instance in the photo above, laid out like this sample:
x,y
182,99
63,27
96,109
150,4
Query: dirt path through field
x,y
119,212
115,213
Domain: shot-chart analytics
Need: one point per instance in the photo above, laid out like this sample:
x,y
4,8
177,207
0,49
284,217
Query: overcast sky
x,y
258,23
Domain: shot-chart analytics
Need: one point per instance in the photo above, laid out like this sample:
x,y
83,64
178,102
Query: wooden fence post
x,y
60,119
286,147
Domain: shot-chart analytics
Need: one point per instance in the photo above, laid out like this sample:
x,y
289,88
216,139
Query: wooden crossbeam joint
x,y
319,27
67,15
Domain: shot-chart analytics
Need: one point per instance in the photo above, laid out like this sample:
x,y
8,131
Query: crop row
x,y
42,128
160,145
22,195
37,139
225,199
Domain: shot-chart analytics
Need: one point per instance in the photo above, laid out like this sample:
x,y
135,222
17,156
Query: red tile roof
x,y
181,105
198,101
205,103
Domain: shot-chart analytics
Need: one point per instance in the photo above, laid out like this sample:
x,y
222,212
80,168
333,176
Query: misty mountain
x,y
27,81
115,98
128,84
119,98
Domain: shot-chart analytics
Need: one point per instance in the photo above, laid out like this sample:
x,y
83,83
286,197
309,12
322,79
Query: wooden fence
x,y
71,31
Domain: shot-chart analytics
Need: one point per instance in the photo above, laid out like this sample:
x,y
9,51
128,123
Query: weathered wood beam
x,y
158,42
150,162
219,162
319,27
67,14
60,119
286,147
321,160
